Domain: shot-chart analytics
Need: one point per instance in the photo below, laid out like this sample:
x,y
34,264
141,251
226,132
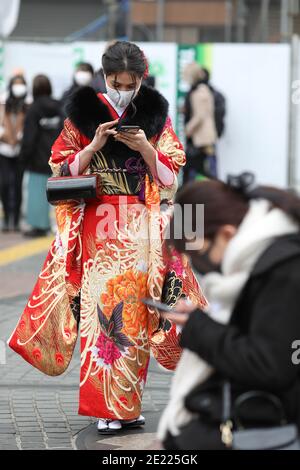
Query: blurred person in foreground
x,y
250,267
43,123
200,126
12,115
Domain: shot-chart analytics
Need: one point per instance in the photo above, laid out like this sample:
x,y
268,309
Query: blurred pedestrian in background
x,y
98,82
200,125
12,115
220,105
149,81
83,76
250,262
43,124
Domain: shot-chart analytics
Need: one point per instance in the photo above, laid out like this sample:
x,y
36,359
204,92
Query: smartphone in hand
x,y
128,129
158,305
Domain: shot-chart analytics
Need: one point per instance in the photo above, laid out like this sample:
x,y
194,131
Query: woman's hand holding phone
x,y
178,314
102,133
134,140
140,143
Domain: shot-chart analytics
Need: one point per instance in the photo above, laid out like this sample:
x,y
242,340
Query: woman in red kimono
x,y
108,252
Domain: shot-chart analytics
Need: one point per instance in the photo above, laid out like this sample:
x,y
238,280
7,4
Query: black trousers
x,y
196,435
203,162
11,176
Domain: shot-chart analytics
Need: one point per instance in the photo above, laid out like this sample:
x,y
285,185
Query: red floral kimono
x,y
108,255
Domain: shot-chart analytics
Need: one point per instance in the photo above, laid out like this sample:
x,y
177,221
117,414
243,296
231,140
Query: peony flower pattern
x,y
111,343
128,287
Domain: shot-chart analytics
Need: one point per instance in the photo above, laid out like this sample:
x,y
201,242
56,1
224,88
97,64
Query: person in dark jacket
x,y
43,124
98,82
200,126
250,267
12,115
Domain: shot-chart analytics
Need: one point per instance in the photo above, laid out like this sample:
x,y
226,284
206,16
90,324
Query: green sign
x,y
78,56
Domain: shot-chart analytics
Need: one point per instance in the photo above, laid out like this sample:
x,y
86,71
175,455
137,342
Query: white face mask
x,y
83,78
120,98
19,90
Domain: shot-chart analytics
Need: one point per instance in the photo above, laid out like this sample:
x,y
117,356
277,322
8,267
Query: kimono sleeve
x,y
170,154
65,150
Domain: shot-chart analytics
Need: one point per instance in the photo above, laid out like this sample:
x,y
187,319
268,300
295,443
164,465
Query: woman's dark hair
x,y
225,204
124,56
14,104
41,86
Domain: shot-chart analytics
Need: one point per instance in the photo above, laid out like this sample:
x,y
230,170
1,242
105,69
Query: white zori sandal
x,y
108,426
133,423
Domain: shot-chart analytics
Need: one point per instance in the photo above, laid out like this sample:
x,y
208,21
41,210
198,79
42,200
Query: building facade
x,y
189,21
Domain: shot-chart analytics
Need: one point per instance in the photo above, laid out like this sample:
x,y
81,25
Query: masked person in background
x,y
83,76
108,253
250,266
12,115
43,124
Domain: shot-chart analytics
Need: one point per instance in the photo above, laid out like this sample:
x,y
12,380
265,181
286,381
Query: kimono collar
x,y
87,110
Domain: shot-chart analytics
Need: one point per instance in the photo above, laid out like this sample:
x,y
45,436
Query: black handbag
x,y
63,189
282,437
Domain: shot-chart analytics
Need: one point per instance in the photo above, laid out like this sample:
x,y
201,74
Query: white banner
x,y
254,79
58,61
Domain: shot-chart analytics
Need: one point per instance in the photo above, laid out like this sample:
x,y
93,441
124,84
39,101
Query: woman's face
x,y
124,81
18,88
83,77
218,246
210,255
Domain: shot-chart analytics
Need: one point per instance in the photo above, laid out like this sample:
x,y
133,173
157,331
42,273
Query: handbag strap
x,y
230,411
226,425
254,394
226,401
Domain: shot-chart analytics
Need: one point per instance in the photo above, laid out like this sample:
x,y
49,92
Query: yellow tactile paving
x,y
24,250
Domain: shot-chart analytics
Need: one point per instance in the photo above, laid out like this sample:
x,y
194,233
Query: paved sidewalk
x,y
40,412
18,277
